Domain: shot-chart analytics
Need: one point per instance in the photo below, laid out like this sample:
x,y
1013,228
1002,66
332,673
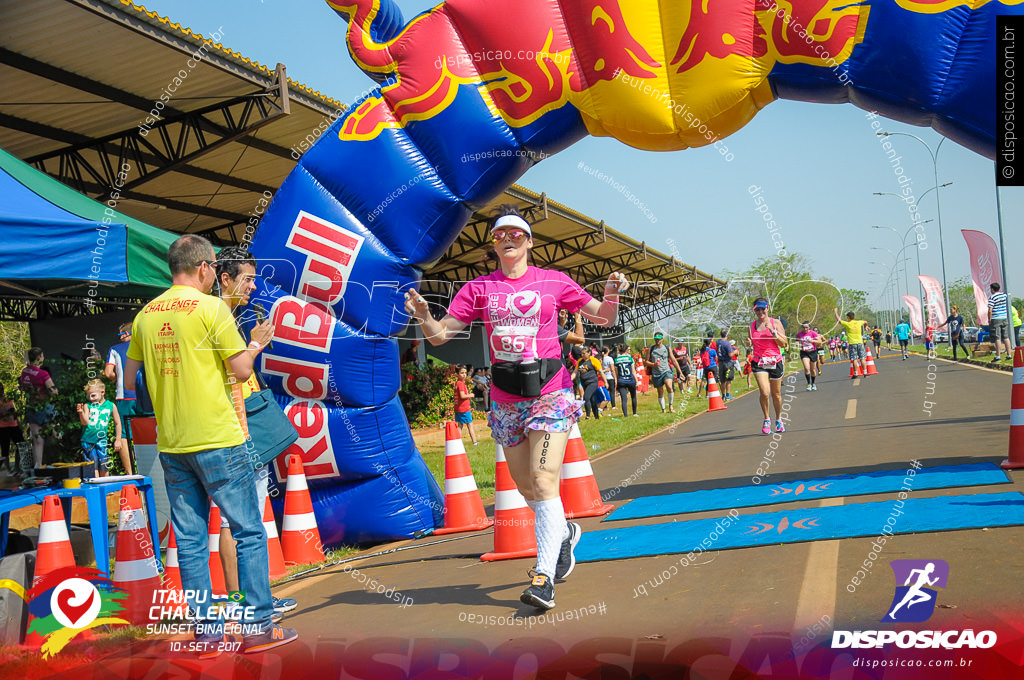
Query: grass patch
x,y
611,431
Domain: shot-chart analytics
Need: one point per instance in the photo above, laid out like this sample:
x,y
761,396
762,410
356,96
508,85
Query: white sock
x,y
550,528
661,403
532,505
671,398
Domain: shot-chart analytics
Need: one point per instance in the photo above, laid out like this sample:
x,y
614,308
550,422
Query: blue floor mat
x,y
914,515
972,474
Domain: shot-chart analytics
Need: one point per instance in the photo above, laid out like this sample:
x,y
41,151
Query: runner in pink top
x,y
533,406
767,336
810,341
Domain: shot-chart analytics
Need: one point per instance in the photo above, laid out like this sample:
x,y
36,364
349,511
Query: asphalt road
x,y
787,592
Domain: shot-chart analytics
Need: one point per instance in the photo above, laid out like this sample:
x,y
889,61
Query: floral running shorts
x,y
555,411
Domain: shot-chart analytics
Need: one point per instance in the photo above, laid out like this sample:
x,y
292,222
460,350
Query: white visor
x,y
512,221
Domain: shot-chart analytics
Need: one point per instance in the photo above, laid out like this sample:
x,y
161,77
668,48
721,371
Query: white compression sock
x,y
550,528
671,397
661,403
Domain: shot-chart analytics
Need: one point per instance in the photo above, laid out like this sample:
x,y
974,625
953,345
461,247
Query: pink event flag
x,y
984,268
933,299
915,314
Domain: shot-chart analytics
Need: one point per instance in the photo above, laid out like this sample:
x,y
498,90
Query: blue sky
x,y
817,167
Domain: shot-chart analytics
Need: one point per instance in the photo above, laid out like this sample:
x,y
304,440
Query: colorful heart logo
x,y
75,603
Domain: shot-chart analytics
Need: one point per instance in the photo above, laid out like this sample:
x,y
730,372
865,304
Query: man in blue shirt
x,y
999,320
903,335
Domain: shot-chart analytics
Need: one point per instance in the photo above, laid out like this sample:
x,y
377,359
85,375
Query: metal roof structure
x,y
207,135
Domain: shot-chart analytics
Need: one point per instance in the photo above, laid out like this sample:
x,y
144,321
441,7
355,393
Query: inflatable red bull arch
x,y
471,94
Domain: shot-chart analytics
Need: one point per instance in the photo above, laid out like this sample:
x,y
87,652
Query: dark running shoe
x,y
273,636
566,558
540,593
284,604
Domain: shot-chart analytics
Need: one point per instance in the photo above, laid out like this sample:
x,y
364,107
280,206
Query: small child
x,y
95,417
464,405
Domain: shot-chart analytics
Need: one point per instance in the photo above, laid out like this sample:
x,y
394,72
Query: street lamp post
x,y
938,207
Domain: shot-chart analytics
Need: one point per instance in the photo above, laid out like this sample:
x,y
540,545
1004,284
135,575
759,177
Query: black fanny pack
x,y
524,379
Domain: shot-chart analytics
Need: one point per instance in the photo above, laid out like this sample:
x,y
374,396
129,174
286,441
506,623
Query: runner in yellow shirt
x,y
854,335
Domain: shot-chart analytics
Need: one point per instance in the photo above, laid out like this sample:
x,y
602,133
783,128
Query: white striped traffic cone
x,y
217,582
513,520
277,568
300,538
53,552
715,401
869,362
1015,460
463,509
135,566
581,497
172,572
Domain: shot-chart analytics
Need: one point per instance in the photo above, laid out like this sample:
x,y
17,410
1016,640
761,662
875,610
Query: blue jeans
x,y
226,476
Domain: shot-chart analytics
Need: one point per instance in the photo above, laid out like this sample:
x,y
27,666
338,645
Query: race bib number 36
x,y
509,342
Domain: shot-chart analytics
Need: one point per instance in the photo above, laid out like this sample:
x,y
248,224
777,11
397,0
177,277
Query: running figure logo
x,y
914,601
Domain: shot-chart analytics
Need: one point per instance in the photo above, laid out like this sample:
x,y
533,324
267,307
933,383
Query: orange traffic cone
x,y
513,519
172,573
217,583
135,565
1016,458
463,509
580,494
715,402
869,363
300,538
53,552
54,547
277,568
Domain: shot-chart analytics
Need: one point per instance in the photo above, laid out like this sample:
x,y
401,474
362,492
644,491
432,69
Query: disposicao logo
x,y
914,601
68,601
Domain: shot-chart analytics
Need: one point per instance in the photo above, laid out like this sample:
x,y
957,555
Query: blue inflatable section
x,y
384,192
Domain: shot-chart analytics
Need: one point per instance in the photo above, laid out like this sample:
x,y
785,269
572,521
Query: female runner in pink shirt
x,y
767,336
533,407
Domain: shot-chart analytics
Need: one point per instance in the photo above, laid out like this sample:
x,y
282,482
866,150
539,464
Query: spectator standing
x,y
187,342
999,320
124,399
10,432
588,370
95,417
236,276
463,404
683,361
1016,325
411,355
38,387
726,371
854,336
625,378
608,370
709,357
955,324
888,339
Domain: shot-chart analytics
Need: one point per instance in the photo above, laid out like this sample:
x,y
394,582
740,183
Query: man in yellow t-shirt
x,y
854,335
187,342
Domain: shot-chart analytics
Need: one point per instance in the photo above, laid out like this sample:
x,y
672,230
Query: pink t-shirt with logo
x,y
519,314
807,339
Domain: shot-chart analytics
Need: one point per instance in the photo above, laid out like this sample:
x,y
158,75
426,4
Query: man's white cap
x,y
513,221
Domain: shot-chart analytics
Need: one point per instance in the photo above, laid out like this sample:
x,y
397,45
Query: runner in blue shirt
x,y
903,335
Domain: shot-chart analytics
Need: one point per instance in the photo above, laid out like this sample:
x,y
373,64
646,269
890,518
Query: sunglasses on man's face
x,y
517,235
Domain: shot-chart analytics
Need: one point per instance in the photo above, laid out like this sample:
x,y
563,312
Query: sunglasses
x,y
517,235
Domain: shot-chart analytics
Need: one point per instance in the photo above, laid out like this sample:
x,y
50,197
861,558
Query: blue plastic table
x,y
95,495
